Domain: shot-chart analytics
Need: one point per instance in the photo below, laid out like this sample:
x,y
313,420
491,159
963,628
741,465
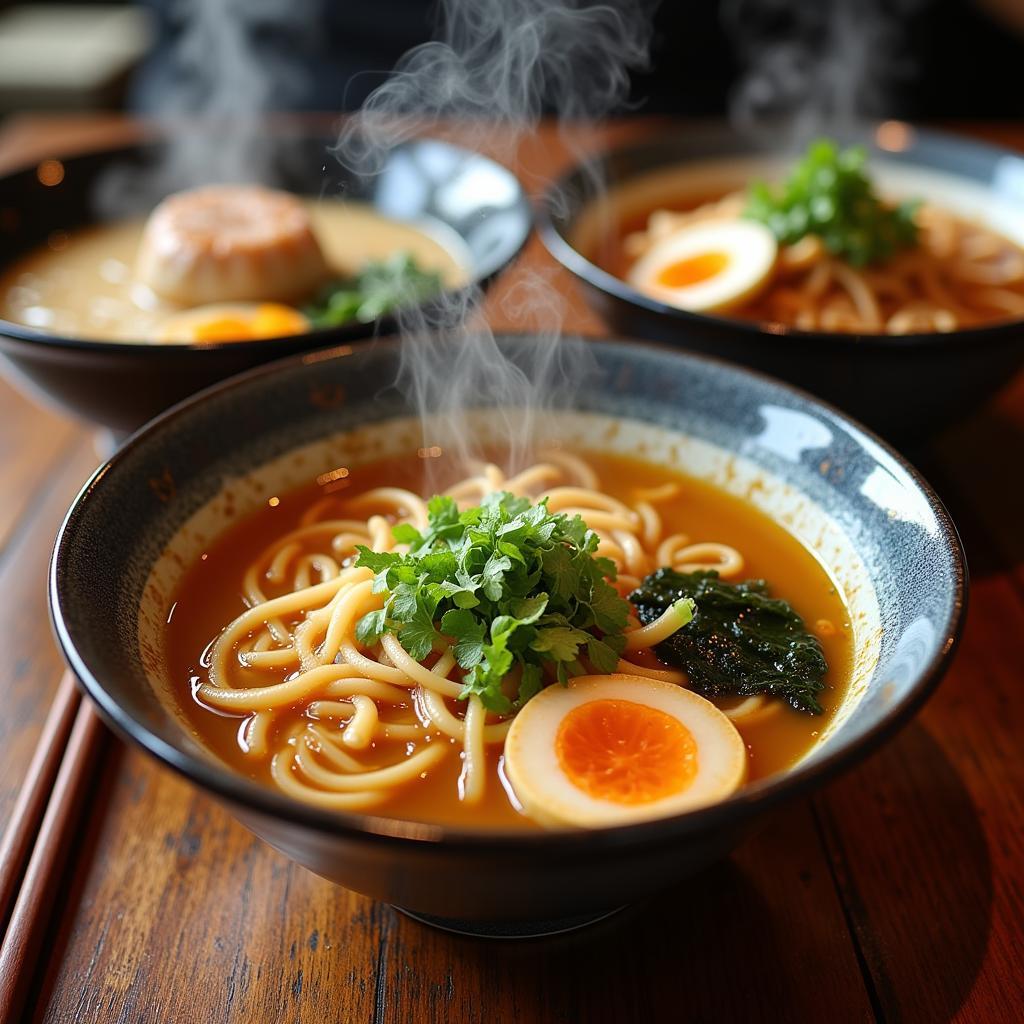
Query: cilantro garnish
x,y
829,194
510,585
379,288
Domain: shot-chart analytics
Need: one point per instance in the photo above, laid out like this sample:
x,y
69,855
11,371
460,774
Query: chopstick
x,y
35,790
29,918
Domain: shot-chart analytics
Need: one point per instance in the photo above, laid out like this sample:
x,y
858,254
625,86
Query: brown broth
x,y
210,597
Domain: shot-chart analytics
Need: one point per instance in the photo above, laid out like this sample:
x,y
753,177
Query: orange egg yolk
x,y
692,270
269,320
625,752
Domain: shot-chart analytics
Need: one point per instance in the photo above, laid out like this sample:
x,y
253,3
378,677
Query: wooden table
x,y
896,894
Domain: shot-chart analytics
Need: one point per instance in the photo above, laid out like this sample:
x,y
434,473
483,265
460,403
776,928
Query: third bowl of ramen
x,y
884,270
492,678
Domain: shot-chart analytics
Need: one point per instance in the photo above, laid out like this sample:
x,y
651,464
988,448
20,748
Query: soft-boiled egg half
x,y
233,321
613,749
708,268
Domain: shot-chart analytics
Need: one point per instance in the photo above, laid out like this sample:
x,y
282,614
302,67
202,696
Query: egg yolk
x,y
692,270
625,752
269,320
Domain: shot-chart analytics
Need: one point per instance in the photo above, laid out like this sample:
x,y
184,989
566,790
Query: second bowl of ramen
x,y
131,278
487,686
909,317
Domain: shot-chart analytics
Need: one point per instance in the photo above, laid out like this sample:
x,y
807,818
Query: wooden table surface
x,y
895,894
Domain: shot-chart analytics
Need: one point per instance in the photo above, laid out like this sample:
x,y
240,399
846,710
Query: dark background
x,y
926,58
914,59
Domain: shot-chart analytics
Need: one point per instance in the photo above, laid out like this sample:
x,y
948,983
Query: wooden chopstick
x,y
28,922
23,825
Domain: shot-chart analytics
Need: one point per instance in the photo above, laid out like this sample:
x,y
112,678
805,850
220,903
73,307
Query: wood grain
x,y
31,440
265,940
927,837
31,667
894,896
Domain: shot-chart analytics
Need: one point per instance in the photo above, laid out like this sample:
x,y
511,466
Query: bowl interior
x,y
473,206
880,533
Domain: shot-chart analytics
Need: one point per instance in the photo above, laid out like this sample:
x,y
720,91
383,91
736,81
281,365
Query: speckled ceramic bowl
x,y
876,526
475,207
905,387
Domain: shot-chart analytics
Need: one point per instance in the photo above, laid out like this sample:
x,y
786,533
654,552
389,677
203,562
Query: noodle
x,y
961,274
345,725
654,632
678,552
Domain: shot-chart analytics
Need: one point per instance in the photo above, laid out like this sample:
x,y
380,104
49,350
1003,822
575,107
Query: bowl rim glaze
x,y
562,250
16,333
227,784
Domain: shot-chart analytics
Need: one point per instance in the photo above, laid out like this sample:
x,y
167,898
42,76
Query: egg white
x,y
551,798
751,250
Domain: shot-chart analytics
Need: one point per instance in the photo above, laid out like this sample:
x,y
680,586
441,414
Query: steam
x,y
233,64
240,57
816,67
495,68
499,63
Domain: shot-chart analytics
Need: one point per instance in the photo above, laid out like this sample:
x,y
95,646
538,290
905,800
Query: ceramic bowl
x,y
906,387
472,203
872,521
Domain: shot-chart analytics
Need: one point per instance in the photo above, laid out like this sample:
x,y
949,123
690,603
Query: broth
x,y
82,284
211,595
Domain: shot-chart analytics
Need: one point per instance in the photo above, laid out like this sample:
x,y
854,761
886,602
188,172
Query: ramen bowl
x,y
906,386
865,514
471,206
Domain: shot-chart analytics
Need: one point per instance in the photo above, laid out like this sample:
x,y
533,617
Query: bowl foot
x,y
510,929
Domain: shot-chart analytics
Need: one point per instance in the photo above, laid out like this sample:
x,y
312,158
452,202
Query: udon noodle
x,y
960,274
345,727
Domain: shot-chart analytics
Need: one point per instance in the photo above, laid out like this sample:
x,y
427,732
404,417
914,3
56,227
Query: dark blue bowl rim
x,y
746,803
11,332
573,260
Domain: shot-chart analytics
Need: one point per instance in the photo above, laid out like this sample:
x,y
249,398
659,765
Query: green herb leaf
x,y
609,610
468,633
514,586
370,627
376,560
829,194
560,643
438,565
405,601
531,683
418,635
378,288
529,609
604,655
557,563
406,533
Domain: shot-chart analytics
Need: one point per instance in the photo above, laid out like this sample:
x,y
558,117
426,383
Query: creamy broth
x,y
82,284
211,595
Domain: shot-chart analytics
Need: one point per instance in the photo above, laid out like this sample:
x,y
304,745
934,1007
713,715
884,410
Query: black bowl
x,y
121,385
904,386
871,519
